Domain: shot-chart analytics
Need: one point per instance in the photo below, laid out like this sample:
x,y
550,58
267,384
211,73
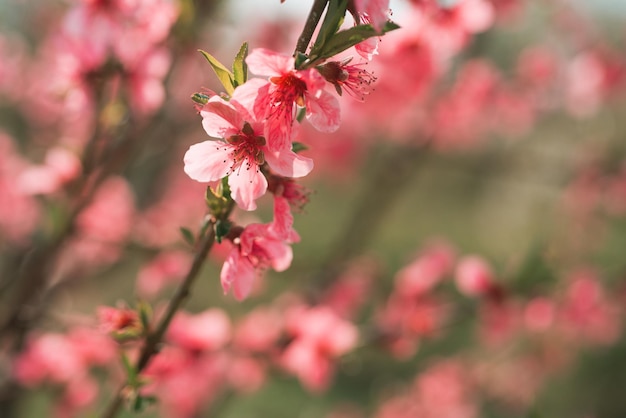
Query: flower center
x,y
247,148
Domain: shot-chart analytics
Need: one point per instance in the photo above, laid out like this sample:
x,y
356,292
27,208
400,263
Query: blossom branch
x,y
154,339
309,27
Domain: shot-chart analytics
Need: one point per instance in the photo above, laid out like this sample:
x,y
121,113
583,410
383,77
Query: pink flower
x,y
118,319
349,77
208,330
243,151
287,89
473,276
257,249
377,12
319,337
169,266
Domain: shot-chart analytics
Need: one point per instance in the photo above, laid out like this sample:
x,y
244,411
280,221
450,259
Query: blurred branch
x,y
153,340
390,173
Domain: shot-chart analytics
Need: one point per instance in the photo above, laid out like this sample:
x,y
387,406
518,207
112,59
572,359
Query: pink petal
x,y
238,273
249,97
246,185
323,112
282,225
220,119
278,253
263,61
368,48
288,163
208,161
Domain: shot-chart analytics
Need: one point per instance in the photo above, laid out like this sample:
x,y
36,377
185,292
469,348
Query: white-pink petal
x,y
263,61
237,273
288,163
246,185
323,112
208,161
220,119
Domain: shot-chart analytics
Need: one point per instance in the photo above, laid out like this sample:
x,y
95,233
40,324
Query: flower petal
x,y
208,161
288,163
246,185
323,112
263,61
238,273
220,119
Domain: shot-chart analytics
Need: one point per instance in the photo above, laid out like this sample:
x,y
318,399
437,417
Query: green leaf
x,y
223,74
222,228
350,37
240,68
188,236
331,24
298,147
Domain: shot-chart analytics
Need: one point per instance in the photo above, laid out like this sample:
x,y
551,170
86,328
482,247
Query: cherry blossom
x,y
242,152
287,90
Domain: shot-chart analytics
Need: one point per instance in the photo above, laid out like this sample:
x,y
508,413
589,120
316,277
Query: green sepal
x,y
298,147
301,114
200,98
141,402
349,38
188,236
223,74
145,315
222,228
300,59
240,68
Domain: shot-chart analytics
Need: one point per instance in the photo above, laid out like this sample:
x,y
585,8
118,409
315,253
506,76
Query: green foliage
x,y
223,74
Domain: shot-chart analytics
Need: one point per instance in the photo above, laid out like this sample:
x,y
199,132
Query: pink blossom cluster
x,y
254,130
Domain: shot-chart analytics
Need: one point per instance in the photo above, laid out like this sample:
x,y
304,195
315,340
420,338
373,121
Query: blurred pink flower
x,y
205,331
320,336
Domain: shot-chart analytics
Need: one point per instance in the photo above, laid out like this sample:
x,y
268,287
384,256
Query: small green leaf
x,y
188,236
221,229
348,38
138,404
240,68
223,74
145,314
298,147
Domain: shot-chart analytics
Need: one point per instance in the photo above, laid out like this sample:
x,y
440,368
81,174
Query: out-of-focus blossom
x,y
167,267
319,337
208,330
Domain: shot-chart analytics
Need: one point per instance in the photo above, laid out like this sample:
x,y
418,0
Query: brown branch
x,y
309,27
154,339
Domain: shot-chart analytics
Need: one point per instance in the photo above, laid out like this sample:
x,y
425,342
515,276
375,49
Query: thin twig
x,y
153,340
309,27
